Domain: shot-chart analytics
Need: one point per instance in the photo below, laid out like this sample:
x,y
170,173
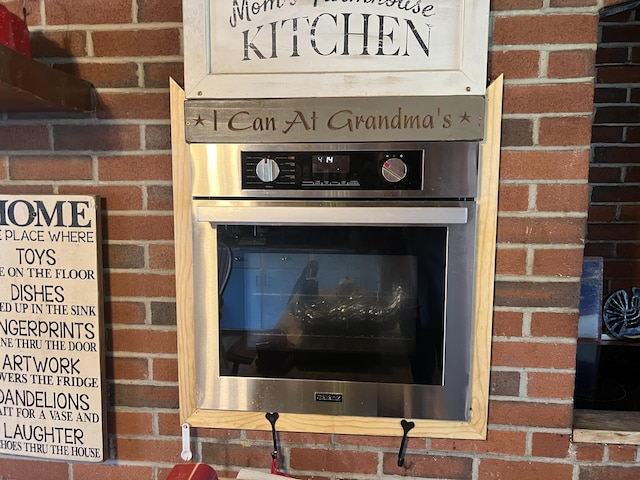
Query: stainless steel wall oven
x,y
335,278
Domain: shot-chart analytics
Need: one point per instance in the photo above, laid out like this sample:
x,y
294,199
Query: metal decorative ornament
x,y
621,314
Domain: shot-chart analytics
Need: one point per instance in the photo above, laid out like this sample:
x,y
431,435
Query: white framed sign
x,y
52,400
329,48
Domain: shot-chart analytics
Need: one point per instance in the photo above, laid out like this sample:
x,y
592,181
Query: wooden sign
x,y
328,48
289,120
52,402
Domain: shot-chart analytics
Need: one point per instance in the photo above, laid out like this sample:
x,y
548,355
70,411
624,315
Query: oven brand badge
x,y
328,397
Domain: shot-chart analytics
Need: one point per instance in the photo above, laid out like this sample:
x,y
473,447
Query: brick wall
x,y
614,213
127,49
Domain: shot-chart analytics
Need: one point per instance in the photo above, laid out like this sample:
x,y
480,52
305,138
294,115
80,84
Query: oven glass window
x,y
332,303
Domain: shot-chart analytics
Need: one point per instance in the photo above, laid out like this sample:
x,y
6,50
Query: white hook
x,y
186,454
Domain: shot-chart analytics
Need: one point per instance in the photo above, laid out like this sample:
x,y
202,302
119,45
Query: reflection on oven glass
x,y
332,303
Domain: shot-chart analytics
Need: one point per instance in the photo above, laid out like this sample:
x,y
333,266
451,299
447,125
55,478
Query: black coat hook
x,y
406,426
273,418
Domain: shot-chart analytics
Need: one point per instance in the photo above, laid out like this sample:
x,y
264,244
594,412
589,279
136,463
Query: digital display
x,y
330,163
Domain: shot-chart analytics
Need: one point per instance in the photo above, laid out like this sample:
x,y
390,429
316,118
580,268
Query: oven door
x,y
334,307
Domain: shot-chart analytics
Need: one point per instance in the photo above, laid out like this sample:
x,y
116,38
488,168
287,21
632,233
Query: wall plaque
x,y
290,120
324,48
52,401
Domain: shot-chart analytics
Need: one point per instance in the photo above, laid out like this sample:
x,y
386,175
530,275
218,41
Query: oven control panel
x,y
348,170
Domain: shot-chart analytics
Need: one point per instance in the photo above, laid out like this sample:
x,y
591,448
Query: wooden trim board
x,y
475,428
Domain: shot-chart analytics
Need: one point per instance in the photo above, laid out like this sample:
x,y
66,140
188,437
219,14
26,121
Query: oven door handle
x,y
305,215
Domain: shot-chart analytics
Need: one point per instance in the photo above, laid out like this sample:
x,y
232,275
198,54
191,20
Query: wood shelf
x,y
604,426
30,86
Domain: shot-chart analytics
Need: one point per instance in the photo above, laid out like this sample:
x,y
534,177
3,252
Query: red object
x,y
13,32
192,471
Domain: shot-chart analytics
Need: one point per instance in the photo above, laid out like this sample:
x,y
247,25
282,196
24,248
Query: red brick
x,y
505,383
162,257
113,197
516,4
111,472
607,134
300,438
494,469
545,29
504,442
143,341
537,294
334,460
161,451
603,213
133,105
160,11
507,324
589,452
513,198
125,312
157,137
169,424
126,368
370,441
628,33
165,369
124,256
157,75
131,423
560,262
615,154
24,137
95,137
552,445
69,12
533,355
571,3
134,167
562,197
531,414
622,453
598,472
541,230
613,232
514,64
136,43
140,285
160,197
605,174
571,64
544,165
144,396
430,466
511,261
104,75
551,385
26,189
157,227
244,455
565,131
555,98
19,469
550,324
50,168
70,43
517,132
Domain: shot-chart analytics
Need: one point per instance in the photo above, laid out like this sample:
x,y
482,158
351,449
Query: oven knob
x,y
267,170
394,169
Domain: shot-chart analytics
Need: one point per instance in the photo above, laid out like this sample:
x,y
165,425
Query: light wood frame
x,y
475,428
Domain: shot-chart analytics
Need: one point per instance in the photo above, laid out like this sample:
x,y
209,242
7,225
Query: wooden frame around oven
x,y
475,428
